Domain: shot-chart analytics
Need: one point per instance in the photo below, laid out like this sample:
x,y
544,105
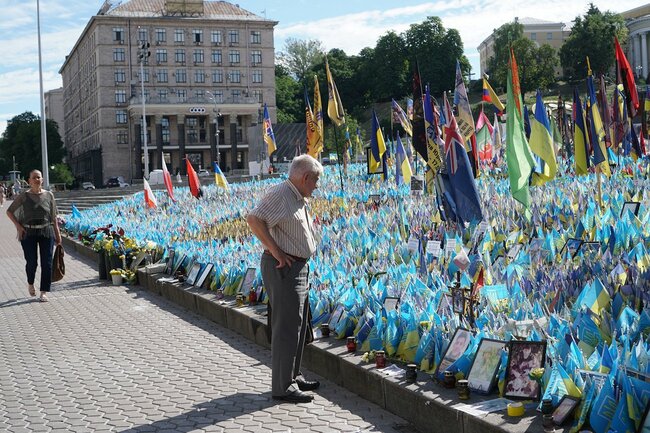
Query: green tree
x,y
299,56
387,69
61,173
593,36
22,140
436,49
288,96
535,65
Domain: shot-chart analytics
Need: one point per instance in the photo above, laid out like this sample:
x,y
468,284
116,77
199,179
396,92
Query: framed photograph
x,y
417,185
379,170
247,281
572,244
644,426
203,275
590,249
390,303
170,262
178,261
632,206
458,345
513,252
444,305
523,356
564,409
483,372
458,301
193,273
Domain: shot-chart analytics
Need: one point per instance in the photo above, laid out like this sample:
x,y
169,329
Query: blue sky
x,y
349,25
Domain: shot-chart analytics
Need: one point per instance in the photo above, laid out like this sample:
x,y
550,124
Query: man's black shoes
x,y
307,385
295,397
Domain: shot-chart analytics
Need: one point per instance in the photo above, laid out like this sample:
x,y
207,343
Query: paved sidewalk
x,y
103,358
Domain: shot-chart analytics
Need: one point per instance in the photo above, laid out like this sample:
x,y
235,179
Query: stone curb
x,y
426,405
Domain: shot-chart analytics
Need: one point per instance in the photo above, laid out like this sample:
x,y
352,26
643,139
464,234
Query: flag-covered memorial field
x,y
572,282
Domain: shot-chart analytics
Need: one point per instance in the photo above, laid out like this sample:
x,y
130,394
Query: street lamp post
x,y
217,114
44,162
142,56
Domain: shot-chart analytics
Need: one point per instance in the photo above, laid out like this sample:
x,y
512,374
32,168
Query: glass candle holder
x,y
463,389
351,344
450,379
380,359
411,374
239,299
325,330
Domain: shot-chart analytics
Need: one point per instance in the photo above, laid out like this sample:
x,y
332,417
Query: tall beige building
x,y
207,63
539,31
53,107
637,21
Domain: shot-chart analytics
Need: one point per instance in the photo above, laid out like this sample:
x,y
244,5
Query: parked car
x,y
114,182
204,173
87,185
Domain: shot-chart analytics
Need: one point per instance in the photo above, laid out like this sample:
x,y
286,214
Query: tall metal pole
x,y
216,117
45,172
144,53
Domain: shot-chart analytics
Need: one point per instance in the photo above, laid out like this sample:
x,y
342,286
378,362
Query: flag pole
x,y
338,155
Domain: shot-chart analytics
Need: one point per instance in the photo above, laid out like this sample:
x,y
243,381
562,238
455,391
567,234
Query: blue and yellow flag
x,y
403,165
377,145
580,143
219,178
541,142
597,128
269,137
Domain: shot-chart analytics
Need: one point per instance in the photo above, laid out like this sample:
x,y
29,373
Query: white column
x,y
636,49
644,53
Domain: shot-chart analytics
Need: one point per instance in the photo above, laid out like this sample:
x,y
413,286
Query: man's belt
x,y
296,258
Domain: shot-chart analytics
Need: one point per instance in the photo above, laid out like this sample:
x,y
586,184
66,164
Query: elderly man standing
x,y
283,225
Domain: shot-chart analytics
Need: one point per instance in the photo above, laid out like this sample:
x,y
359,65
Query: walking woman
x,y
34,214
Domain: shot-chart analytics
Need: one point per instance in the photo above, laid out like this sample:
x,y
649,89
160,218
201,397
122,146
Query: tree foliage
x,y
288,97
22,140
593,36
300,56
535,64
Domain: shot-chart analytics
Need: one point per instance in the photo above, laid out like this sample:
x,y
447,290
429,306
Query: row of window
x,y
180,76
549,36
179,36
234,56
181,96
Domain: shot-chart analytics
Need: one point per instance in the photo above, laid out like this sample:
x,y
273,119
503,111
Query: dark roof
x,y
289,136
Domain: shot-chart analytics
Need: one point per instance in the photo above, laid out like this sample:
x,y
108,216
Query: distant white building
x,y
637,21
539,31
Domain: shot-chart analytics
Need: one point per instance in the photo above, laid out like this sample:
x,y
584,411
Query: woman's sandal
x,y
43,298
32,290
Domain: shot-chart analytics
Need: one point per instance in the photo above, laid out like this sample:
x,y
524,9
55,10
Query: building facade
x,y
539,31
53,107
637,21
206,67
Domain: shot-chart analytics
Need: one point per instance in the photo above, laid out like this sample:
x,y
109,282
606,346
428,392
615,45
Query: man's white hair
x,y
304,164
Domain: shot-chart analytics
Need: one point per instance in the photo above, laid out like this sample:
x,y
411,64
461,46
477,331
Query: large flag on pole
x,y
484,131
377,145
167,178
433,151
461,101
269,137
597,128
541,141
318,114
313,134
461,178
518,155
400,115
580,144
419,133
193,179
334,105
627,74
149,198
